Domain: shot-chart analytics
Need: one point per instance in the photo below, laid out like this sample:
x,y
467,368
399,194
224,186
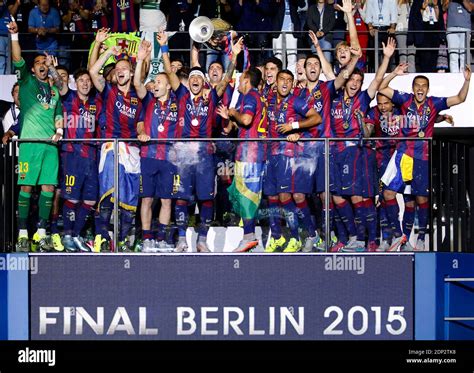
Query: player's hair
x,y
288,72
124,59
341,44
358,71
254,75
420,77
107,69
183,73
176,59
275,61
62,67
216,63
79,72
14,86
315,56
300,56
165,75
382,95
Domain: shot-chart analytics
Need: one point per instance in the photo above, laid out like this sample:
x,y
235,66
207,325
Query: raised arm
x,y
236,49
144,50
384,89
94,71
16,49
162,39
100,37
325,65
388,51
195,56
347,9
461,96
51,63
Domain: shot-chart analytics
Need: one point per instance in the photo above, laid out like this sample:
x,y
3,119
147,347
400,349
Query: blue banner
x,y
261,297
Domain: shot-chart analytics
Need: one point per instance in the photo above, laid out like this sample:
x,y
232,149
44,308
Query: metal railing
x,y
467,50
9,160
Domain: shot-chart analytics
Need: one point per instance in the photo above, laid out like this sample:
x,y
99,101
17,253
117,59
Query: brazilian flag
x,y
245,192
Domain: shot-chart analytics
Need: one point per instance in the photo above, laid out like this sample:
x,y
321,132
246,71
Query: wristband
x,y
14,37
295,125
59,131
164,49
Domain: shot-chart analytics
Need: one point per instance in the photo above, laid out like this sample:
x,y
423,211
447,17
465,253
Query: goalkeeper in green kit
x,y
41,118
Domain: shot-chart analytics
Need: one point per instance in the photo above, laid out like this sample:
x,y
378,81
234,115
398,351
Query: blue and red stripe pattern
x,y
160,121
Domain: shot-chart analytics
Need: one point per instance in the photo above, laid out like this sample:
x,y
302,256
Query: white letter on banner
x,y
205,320
233,323
188,319
44,319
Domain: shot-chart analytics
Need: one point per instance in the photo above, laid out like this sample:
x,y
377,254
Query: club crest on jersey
x,y
134,101
317,94
92,109
173,107
285,106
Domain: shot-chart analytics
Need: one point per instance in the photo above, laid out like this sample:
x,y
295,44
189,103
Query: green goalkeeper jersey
x,y
40,105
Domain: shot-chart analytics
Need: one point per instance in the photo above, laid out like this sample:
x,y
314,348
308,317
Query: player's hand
x,y
467,72
144,50
294,137
346,6
12,27
355,51
115,50
401,69
49,60
162,38
448,118
389,49
56,137
6,137
143,138
223,111
284,128
237,47
313,38
102,35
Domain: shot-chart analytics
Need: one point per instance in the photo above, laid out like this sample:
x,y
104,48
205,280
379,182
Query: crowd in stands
x,y
65,27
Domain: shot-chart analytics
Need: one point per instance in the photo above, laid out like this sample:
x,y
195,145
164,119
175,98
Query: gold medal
x,y
345,125
46,106
421,134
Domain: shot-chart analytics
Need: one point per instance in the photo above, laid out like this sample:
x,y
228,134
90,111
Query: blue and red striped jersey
x,y
252,104
388,126
287,110
123,16
320,99
80,123
160,121
417,122
119,115
343,120
196,116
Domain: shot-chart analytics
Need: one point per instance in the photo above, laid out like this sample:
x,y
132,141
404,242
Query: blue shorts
x,y
79,177
319,179
285,174
355,172
195,178
156,178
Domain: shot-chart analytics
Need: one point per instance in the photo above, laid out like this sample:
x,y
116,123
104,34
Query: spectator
x,y
44,21
4,47
255,15
123,16
381,16
442,64
286,19
217,9
339,33
76,19
406,52
180,14
12,114
321,20
428,18
458,25
100,15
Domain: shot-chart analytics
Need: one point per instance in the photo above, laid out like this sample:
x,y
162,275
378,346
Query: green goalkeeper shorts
x,y
38,164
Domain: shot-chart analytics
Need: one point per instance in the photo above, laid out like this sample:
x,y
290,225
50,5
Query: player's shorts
x,y
194,177
285,174
157,178
355,172
38,164
319,175
80,177
407,175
